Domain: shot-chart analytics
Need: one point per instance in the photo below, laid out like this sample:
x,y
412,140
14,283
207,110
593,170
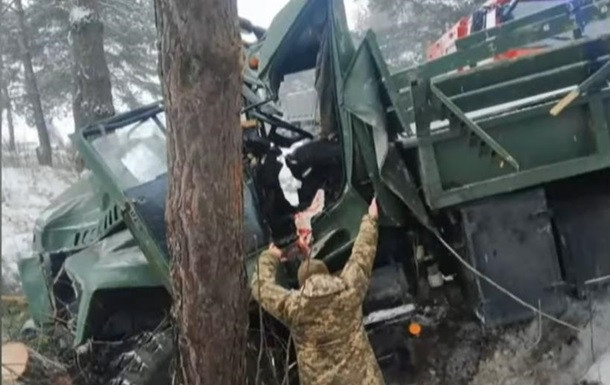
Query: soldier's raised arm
x,y
357,270
275,299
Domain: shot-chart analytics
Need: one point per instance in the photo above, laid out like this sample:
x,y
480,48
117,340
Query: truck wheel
x,y
148,363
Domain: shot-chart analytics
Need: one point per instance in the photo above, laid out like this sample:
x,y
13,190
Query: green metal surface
x,y
498,113
156,256
554,149
470,124
115,262
342,42
337,227
278,33
577,51
599,76
76,218
95,162
34,286
363,97
561,77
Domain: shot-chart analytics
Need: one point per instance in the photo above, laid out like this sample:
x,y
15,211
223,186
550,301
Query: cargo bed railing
x,y
572,16
489,129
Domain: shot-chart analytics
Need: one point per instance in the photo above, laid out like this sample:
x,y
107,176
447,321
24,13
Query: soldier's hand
x,y
373,210
275,251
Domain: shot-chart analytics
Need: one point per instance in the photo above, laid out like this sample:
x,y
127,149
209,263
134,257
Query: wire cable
x,y
500,287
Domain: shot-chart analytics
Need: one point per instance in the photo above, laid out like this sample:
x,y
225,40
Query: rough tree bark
x,y
201,70
92,98
44,154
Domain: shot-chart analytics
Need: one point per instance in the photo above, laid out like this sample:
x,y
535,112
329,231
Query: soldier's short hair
x,y
311,267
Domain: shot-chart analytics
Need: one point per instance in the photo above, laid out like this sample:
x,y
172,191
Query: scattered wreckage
x,y
503,163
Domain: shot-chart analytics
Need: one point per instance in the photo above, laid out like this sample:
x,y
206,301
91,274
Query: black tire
x,y
148,363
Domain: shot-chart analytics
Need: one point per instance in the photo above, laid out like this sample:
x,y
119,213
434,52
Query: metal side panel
x,y
34,284
510,240
583,225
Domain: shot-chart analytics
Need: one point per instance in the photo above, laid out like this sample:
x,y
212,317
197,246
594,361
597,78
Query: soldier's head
x,y
311,267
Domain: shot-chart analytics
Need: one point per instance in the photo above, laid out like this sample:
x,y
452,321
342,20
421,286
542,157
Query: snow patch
x,y
26,192
600,371
545,353
389,314
79,14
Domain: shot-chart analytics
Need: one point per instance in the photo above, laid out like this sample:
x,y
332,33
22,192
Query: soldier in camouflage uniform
x,y
325,314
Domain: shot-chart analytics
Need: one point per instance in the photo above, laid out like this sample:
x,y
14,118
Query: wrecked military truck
x,y
505,164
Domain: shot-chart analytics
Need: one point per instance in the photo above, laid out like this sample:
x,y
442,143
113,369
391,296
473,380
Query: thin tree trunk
x,y
201,72
44,154
2,100
92,99
1,70
9,118
5,104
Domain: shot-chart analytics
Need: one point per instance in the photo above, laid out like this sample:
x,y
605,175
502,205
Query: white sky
x,y
257,13
261,15
253,10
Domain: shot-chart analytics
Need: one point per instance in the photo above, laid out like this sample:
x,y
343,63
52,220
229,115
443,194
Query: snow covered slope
x,y
25,193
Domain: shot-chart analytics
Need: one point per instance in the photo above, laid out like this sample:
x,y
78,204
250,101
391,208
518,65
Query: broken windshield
x,y
136,153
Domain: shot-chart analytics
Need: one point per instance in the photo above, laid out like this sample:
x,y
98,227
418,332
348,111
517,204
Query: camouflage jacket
x,y
325,316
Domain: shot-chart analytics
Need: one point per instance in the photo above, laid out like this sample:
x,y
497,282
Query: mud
x,y
455,349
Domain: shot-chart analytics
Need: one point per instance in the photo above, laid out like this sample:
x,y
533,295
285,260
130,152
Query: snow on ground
x,y
600,371
79,14
544,353
26,191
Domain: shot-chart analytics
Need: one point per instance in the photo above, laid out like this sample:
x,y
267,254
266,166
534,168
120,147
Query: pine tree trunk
x,y
5,104
201,72
44,154
2,100
9,118
92,98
